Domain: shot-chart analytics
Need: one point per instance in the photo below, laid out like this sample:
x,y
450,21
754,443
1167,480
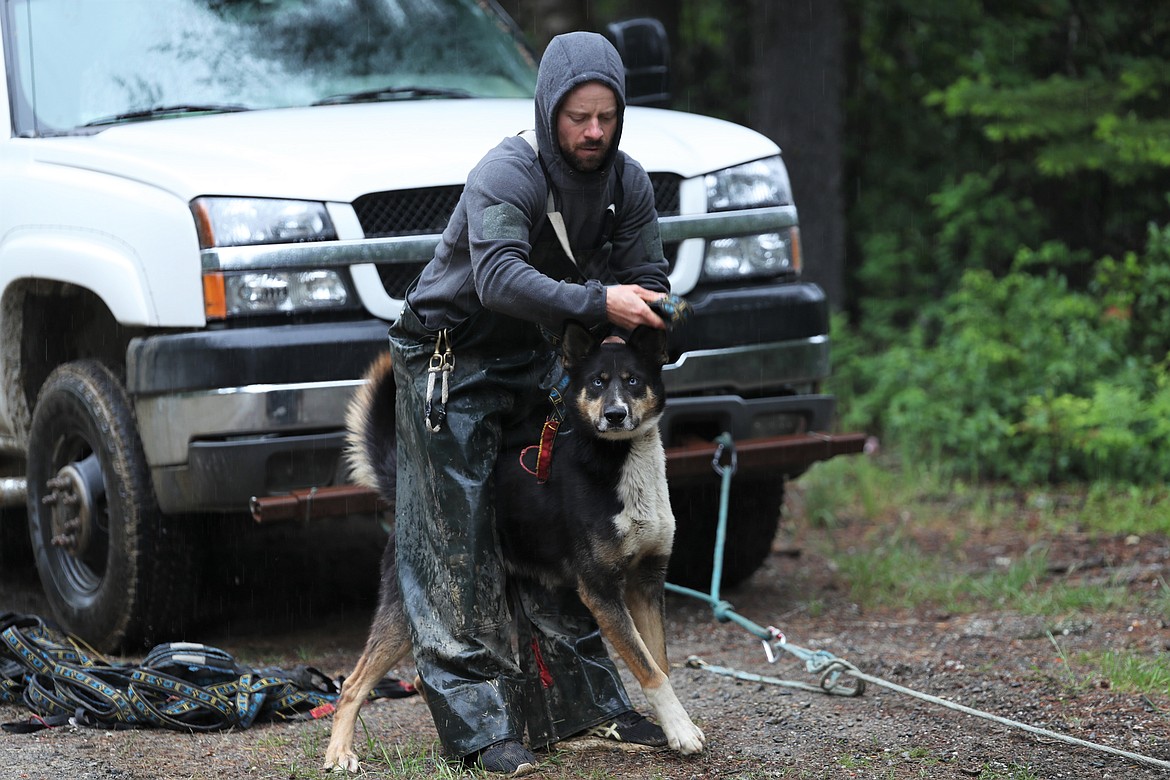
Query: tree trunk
x,y
797,100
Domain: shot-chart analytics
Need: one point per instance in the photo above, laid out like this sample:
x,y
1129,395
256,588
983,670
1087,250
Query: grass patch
x,y
913,526
1126,510
1161,601
849,489
1129,672
410,759
841,489
879,577
901,539
901,575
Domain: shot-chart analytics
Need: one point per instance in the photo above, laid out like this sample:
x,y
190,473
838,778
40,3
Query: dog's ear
x,y
576,343
650,343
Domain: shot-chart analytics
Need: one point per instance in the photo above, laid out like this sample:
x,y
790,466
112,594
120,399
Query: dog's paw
x,y
682,735
340,761
687,740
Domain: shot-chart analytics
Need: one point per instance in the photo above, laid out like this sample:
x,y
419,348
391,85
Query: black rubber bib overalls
x,y
499,658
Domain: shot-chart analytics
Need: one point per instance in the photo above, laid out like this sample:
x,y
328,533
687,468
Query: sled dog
x,y
616,559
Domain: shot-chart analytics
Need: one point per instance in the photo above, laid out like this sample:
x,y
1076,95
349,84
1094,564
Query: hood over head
x,y
572,59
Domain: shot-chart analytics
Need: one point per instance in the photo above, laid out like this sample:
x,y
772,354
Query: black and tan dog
x,y
615,526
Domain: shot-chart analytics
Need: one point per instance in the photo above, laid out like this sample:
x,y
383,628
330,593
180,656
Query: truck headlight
x,y
766,254
224,222
756,184
271,292
243,222
243,293
751,185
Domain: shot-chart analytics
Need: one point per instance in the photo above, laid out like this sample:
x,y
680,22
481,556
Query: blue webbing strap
x,y
181,685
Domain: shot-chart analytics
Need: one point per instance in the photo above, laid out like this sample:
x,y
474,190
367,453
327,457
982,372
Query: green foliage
x,y
1011,316
1023,378
965,208
900,153
1100,122
1137,288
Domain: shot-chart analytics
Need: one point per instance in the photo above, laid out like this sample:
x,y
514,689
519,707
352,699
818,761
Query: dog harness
x,y
548,432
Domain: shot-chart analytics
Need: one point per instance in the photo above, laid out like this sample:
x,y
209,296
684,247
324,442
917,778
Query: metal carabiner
x,y
724,442
442,362
771,645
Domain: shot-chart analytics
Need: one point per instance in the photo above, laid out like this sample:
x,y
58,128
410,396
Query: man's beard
x,y
587,163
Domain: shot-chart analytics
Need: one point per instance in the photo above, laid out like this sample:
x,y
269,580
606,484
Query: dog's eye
x,y
633,381
598,382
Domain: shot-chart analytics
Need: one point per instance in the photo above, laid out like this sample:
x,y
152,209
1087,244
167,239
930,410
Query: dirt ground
x,y
309,607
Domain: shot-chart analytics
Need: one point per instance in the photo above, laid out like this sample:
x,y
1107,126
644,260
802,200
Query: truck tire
x,y
114,572
753,516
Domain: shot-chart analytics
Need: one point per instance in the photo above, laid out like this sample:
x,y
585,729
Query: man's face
x,y
586,123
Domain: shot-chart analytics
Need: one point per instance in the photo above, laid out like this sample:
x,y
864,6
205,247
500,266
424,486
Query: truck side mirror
x,y
645,51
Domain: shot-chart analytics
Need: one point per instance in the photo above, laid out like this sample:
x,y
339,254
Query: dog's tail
x,y
371,442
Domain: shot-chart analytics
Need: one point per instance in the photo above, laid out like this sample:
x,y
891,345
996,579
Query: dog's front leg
x,y
616,623
646,599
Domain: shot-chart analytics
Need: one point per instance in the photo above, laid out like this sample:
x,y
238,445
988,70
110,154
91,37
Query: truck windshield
x,y
77,64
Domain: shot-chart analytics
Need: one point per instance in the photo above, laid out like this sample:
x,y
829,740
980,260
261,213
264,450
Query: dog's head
x,y
615,388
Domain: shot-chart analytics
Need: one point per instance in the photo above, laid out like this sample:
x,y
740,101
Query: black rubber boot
x,y
508,758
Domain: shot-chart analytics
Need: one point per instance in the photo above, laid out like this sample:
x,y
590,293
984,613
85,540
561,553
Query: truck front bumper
x,y
229,416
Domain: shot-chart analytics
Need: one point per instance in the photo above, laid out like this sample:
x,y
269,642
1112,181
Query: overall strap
x,y
556,218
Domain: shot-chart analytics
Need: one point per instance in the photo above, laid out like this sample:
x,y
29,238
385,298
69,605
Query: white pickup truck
x,y
209,212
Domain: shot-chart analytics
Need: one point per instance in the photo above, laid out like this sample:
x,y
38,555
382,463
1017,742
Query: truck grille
x,y
426,210
666,193
406,212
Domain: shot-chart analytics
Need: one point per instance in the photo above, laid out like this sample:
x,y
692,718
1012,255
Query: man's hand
x,y
625,306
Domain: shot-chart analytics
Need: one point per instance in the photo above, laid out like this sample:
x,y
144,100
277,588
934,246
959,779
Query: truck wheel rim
x,y
80,538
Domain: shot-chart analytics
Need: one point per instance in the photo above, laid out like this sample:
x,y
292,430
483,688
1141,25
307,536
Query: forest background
x,y
983,192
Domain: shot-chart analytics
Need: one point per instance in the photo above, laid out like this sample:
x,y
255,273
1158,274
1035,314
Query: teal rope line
x,y
819,662
828,666
722,609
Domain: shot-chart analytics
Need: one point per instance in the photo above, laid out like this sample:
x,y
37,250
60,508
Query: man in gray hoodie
x,y
469,357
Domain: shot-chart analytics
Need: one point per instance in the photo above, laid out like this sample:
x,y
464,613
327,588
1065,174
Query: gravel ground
x,y
1000,662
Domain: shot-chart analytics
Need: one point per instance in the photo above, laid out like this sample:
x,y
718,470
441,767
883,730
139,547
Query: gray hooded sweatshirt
x,y
499,232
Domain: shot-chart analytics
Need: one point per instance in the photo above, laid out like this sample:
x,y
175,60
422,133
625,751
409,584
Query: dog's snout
x,y
615,415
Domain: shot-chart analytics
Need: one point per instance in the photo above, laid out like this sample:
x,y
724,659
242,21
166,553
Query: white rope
x,y
848,668
1157,762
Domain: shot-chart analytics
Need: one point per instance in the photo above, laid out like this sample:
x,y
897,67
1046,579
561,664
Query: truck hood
x,y
338,153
